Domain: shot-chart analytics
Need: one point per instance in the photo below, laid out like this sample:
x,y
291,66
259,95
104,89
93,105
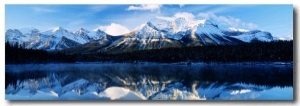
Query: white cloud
x,y
114,29
227,20
188,16
151,7
40,9
288,37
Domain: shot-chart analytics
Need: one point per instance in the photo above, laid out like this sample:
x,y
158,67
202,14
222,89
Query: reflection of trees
x,y
15,78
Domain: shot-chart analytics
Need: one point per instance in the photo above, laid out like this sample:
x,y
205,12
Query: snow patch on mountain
x,y
254,35
56,39
238,29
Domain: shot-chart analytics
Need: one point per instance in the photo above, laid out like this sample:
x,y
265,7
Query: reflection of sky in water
x,y
275,93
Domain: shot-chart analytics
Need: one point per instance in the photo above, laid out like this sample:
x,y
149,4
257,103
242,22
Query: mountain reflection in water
x,y
149,81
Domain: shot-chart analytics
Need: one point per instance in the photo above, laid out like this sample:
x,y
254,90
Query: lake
x,y
149,81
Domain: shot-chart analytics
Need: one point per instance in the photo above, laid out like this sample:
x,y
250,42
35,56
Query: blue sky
x,y
115,19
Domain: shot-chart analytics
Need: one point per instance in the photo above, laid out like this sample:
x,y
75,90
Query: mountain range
x,y
167,34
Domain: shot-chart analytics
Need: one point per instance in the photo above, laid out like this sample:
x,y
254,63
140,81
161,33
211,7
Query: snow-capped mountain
x,y
166,34
255,35
83,33
21,35
55,39
146,36
176,33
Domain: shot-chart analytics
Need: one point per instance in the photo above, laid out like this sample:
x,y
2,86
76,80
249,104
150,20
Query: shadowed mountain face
x,y
177,33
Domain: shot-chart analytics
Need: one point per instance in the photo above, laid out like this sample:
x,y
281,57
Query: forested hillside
x,y
247,52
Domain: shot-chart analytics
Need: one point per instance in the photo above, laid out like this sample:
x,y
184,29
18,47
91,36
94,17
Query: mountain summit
x,y
176,33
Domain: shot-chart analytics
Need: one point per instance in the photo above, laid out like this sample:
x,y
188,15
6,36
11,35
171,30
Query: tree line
x,y
18,54
246,52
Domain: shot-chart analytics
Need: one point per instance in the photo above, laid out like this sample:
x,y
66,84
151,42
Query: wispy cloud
x,y
188,16
227,20
151,7
42,9
97,8
165,18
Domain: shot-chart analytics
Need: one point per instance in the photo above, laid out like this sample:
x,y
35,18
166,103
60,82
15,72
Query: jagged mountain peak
x,y
147,25
29,30
58,29
13,30
23,31
205,22
99,31
97,34
150,24
81,31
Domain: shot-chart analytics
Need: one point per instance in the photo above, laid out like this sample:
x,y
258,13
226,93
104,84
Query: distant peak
x,y
58,29
97,30
82,30
150,24
204,22
28,30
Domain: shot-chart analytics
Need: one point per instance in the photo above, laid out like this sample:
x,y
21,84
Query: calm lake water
x,y
149,81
